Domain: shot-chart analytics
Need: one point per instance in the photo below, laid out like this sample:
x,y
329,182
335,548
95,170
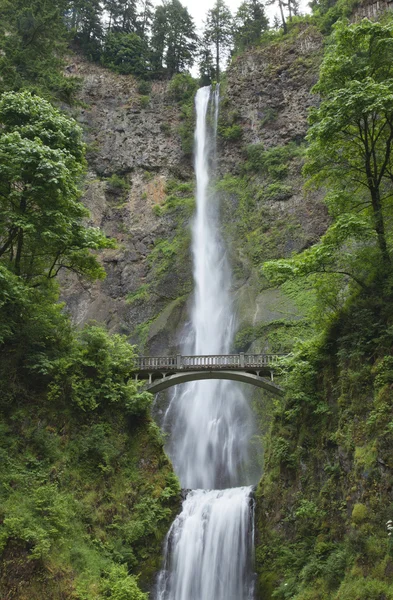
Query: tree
x,y
173,39
145,18
351,132
41,217
250,23
126,53
122,15
281,5
218,31
207,68
33,41
85,19
350,155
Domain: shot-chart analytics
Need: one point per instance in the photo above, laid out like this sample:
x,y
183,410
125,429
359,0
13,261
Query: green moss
x,y
140,295
359,513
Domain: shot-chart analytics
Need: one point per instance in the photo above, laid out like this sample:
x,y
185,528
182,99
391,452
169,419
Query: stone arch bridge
x,y
163,372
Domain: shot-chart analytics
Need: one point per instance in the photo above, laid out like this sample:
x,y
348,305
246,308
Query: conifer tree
x,y
145,18
174,39
33,41
218,31
250,23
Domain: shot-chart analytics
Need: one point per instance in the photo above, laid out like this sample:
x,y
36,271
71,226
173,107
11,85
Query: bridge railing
x,y
224,361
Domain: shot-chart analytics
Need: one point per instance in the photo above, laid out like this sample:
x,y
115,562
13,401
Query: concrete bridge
x,y
162,372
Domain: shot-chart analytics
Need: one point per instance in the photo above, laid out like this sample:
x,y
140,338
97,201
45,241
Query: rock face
x,y
268,95
269,89
135,139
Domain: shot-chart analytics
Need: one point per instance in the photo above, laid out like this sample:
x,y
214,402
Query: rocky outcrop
x,y
371,9
268,95
136,138
268,91
133,137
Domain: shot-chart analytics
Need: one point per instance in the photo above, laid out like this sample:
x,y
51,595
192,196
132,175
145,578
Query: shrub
x,y
144,101
144,87
359,513
117,183
231,133
183,87
97,374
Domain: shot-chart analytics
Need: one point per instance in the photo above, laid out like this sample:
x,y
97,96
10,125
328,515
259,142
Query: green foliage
x,y
250,23
273,162
126,53
144,88
330,540
144,101
140,295
173,39
231,133
350,134
359,513
41,519
186,129
96,373
183,87
33,40
41,163
350,155
121,586
117,183
218,32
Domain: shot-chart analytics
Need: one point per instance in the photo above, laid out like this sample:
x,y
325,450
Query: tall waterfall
x,y
208,549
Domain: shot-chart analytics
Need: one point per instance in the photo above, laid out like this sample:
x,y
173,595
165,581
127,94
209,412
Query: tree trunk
x,y
218,61
19,243
284,23
379,225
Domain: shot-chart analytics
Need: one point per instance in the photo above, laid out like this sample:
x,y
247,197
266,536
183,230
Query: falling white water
x,y
210,422
209,546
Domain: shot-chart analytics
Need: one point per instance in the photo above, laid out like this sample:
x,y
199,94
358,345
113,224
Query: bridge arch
x,y
167,381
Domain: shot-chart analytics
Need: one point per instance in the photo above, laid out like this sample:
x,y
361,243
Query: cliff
x,y
140,189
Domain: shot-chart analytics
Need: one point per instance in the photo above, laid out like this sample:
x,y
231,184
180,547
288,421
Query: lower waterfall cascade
x,y
209,547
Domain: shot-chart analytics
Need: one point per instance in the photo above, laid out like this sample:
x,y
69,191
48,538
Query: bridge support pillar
x,y
178,361
242,363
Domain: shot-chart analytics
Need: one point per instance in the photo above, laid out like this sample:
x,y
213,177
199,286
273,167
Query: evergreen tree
x,y
145,18
33,40
218,31
250,23
207,68
174,39
85,19
123,15
126,53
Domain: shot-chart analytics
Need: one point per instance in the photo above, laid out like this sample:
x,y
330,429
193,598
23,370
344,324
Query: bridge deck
x,y
211,362
163,372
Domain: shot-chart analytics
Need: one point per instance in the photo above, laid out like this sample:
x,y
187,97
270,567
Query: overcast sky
x,y
199,8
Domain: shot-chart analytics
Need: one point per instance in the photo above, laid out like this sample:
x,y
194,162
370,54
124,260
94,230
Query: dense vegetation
x,y
329,455
79,452
87,493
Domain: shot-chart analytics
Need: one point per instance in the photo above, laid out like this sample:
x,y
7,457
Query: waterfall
x,y
208,548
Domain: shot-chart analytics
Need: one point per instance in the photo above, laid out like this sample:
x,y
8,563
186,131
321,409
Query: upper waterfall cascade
x,y
208,549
